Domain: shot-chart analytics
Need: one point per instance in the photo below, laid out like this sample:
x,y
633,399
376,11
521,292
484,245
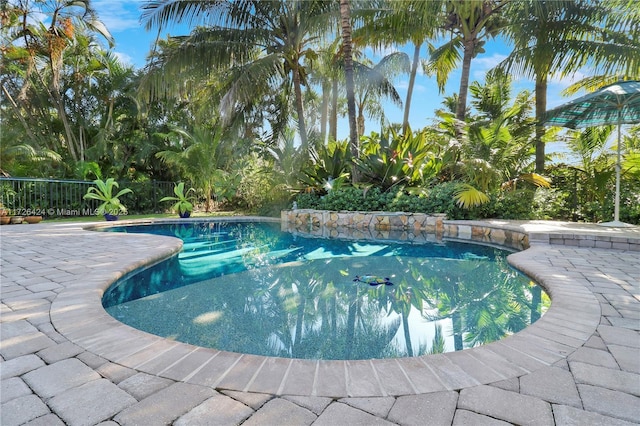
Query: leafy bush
x,y
438,200
441,200
397,160
551,203
255,183
330,163
514,204
350,198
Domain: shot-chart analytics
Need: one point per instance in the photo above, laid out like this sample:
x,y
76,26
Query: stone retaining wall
x,y
383,221
487,234
419,227
397,226
412,227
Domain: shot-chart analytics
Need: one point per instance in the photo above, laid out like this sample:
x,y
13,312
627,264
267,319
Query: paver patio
x,y
65,361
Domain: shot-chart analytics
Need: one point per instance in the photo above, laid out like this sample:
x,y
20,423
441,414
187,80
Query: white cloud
x,y
488,62
481,64
124,58
118,15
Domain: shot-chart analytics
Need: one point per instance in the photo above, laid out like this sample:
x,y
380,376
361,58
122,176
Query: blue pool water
x,y
248,287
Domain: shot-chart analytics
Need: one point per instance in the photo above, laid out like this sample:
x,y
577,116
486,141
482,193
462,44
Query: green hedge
x,y
439,199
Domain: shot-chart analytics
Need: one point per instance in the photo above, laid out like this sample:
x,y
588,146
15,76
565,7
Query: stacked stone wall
x,y
399,226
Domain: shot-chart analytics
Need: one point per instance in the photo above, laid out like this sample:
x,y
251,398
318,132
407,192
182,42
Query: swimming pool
x,y
250,288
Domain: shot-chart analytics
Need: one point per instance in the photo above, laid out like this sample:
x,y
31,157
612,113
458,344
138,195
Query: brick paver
x,y
63,360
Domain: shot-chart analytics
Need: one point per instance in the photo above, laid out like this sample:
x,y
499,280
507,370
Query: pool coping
x,y
571,320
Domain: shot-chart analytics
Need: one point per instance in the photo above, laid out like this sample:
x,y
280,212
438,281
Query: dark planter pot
x,y
110,217
184,215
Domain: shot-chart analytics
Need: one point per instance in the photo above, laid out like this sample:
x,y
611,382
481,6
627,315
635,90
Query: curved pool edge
x,y
78,315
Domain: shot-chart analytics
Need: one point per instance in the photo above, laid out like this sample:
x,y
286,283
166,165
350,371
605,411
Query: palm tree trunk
x,y
412,81
345,15
297,87
324,113
81,142
333,120
351,320
461,110
456,321
62,115
360,122
334,317
22,96
407,335
536,299
56,63
18,113
299,323
541,108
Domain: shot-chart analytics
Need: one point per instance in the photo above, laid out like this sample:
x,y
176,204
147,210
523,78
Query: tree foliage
x,y
245,105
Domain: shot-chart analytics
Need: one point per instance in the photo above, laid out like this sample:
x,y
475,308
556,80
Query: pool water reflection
x,y
250,288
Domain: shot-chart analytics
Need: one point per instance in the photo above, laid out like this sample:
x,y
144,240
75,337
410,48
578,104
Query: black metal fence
x,y
57,197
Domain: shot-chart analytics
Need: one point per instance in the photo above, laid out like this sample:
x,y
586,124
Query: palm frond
x,y
161,13
468,196
443,60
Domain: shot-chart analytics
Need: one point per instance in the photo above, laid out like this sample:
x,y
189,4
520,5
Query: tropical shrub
x,y
438,200
254,182
551,203
183,202
396,160
356,199
513,204
441,200
330,167
103,191
518,204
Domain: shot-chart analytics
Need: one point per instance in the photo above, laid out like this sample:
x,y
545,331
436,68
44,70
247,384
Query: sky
x,y
133,43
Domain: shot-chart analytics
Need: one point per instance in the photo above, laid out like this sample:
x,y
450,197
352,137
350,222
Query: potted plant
x,y
103,191
183,202
4,215
33,219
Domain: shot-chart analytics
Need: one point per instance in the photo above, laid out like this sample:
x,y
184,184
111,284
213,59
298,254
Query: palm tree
x,y
556,38
198,154
287,160
327,73
374,82
470,23
396,22
496,150
347,49
42,48
594,166
258,47
23,159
